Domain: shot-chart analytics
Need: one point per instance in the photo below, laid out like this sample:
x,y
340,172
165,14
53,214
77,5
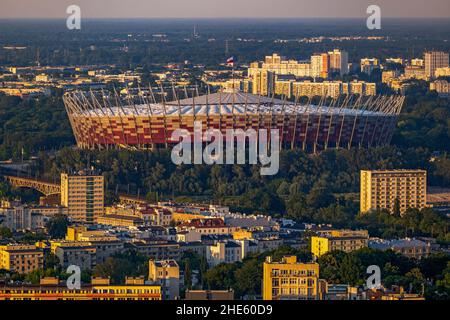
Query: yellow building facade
x,y
290,280
380,189
21,258
339,240
52,289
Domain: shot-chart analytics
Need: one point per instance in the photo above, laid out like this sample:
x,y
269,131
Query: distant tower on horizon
x,y
227,49
38,63
195,35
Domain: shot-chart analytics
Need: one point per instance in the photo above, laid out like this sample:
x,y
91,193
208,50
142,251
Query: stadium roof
x,y
225,103
236,97
185,110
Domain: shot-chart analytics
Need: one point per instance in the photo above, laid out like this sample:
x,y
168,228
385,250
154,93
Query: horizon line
x,y
225,18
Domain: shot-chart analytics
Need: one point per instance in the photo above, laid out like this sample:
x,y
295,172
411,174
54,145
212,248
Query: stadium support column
x,y
220,115
85,110
153,146
131,102
283,114
163,95
330,112
347,101
356,108
149,114
258,111
369,108
94,109
178,105
294,130
245,112
397,111
386,107
271,121
305,140
341,107
207,107
107,105
72,108
119,108
379,108
322,101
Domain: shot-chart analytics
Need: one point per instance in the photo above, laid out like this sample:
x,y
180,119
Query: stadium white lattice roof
x,y
236,97
225,103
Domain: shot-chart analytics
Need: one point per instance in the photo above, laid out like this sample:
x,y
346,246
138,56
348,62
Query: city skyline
x,y
230,9
224,159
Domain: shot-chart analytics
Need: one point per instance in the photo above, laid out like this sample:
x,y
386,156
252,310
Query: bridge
x,y
44,187
48,188
129,199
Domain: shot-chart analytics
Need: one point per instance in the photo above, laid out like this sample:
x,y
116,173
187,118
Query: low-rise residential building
x,y
342,292
368,65
333,88
157,249
189,236
411,248
442,87
341,240
207,226
415,72
209,294
21,258
99,289
442,72
120,220
20,217
395,293
290,280
165,273
196,247
223,252
80,253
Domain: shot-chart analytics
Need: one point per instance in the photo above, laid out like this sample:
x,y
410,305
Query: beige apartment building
x,y
381,188
83,194
333,88
435,60
165,273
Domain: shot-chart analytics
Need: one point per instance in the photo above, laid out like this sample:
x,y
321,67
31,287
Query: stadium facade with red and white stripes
x,y
107,121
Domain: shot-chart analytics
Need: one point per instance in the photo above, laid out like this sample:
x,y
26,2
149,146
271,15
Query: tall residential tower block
x,y
381,189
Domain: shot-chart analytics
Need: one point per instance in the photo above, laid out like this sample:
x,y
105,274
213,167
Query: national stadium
x,y
108,121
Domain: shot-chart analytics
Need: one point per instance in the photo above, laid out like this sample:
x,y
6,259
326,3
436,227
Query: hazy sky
x,y
222,8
